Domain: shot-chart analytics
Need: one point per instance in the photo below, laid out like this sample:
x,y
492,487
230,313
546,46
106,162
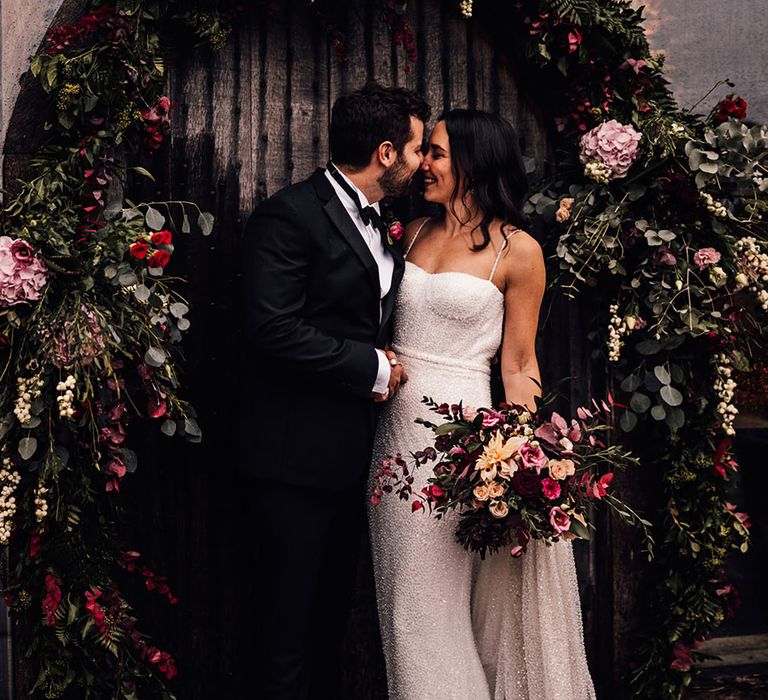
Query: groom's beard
x,y
396,181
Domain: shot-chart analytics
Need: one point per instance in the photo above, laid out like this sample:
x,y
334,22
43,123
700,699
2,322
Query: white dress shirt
x,y
381,255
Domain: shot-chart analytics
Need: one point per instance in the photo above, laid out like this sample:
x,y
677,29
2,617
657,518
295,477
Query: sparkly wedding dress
x,y
455,627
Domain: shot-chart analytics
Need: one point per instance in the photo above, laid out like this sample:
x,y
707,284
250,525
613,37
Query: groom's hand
x,y
398,375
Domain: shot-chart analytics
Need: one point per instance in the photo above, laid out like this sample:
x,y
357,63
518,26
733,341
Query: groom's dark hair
x,y
364,119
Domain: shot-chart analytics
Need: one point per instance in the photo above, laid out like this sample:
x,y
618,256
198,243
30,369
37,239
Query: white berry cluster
x,y
65,396
676,129
618,327
754,262
725,388
41,505
599,172
713,207
28,390
466,8
9,480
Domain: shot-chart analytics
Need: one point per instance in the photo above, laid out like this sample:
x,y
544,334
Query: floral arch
x,y
657,212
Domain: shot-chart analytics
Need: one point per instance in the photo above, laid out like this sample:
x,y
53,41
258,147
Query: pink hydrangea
x,y
704,257
612,144
22,272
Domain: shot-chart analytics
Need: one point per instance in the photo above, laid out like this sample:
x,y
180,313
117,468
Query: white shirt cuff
x,y
382,378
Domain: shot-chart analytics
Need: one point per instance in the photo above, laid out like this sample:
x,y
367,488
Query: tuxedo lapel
x,y
388,302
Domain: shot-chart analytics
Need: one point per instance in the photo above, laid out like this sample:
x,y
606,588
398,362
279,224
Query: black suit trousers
x,y
308,545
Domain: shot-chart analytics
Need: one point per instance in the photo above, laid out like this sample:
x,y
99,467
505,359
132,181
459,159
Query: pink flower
x,y
600,487
559,520
551,488
490,418
704,257
533,457
396,231
612,144
22,272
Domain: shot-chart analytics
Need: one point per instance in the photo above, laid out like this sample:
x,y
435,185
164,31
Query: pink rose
x,y
559,520
551,488
704,257
533,457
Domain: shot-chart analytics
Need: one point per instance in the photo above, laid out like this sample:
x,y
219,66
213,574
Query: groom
x,y
320,278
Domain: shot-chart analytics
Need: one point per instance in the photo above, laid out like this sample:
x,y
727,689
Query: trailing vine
x,y
89,334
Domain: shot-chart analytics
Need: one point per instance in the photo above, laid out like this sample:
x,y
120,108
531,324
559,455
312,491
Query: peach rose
x,y
481,492
498,509
496,490
561,468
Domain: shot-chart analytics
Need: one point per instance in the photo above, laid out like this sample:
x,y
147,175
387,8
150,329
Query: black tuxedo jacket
x,y
311,295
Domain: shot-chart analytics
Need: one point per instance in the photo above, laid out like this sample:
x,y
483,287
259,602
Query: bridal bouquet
x,y
512,476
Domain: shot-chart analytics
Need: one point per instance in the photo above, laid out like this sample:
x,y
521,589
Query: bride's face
x,y
439,179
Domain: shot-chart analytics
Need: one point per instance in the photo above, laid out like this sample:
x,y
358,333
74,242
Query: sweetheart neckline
x,y
456,272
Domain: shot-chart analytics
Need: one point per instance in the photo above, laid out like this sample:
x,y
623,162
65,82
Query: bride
x,y
454,626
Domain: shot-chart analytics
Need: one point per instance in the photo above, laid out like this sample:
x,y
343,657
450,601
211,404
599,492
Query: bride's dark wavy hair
x,y
486,163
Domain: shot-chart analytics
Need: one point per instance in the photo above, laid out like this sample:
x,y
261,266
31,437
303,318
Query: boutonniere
x,y
395,229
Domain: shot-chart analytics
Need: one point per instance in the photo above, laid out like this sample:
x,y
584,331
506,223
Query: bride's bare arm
x,y
525,280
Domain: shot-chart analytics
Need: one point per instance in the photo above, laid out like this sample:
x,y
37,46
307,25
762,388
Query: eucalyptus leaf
x,y
205,222
185,228
648,347
155,357
671,396
27,447
183,324
142,293
630,383
662,374
658,412
130,459
155,220
628,421
639,403
168,428
191,428
178,309
675,418
127,279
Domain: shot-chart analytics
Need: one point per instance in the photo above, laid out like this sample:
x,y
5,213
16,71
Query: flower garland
x,y
89,329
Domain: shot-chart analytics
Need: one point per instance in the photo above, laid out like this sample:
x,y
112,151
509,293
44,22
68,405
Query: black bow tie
x,y
368,214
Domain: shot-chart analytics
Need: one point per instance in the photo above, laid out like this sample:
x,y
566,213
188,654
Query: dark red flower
x,y
139,250
52,599
526,483
731,108
160,258
162,238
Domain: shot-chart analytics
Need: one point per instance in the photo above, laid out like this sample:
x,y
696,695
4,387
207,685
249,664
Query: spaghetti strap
x,y
418,231
498,257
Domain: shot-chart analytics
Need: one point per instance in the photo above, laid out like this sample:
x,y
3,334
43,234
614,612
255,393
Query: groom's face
x,y
396,180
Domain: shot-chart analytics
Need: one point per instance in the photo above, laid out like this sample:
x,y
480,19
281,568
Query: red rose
x,y
160,258
139,250
164,104
734,107
162,238
526,483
